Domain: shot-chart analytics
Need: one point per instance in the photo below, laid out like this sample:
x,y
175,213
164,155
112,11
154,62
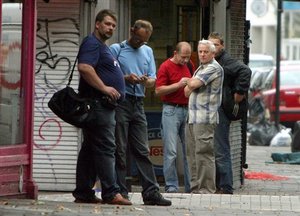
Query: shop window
x,y
188,25
188,28
10,73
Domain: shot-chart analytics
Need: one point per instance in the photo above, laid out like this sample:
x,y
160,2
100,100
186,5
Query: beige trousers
x,y
201,158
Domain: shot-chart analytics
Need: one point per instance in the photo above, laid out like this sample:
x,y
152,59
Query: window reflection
x,y
10,73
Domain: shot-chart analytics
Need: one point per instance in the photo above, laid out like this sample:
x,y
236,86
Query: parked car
x,y
260,61
289,107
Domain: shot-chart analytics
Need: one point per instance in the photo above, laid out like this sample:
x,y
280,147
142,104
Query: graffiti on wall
x,y
48,43
57,45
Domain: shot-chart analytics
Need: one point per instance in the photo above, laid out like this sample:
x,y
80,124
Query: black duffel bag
x,y
71,108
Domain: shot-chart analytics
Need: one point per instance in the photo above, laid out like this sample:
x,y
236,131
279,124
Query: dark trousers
x,y
97,157
224,178
132,133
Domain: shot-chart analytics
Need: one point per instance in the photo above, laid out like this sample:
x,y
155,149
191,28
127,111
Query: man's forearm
x,y
187,91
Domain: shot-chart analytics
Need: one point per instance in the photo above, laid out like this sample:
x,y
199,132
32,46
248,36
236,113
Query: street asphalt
x,y
256,197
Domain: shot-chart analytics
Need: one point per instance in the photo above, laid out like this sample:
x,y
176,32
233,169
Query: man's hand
x,y
133,78
111,92
183,82
238,97
143,79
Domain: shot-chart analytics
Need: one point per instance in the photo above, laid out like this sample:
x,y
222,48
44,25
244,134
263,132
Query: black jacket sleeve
x,y
237,74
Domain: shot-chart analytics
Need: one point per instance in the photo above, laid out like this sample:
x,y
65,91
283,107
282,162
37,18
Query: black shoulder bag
x,y
70,107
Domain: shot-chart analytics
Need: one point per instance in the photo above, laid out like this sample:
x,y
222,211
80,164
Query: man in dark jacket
x,y
234,106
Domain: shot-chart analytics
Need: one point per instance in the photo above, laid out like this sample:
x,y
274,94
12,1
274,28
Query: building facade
x,y
50,145
263,32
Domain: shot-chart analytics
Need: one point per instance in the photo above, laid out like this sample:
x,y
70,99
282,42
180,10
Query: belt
x,y
133,97
175,104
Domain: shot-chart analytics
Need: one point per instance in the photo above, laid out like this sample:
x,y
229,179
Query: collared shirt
x,y
139,61
205,101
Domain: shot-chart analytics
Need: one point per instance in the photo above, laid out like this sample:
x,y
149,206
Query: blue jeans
x,y
97,157
132,133
173,127
224,179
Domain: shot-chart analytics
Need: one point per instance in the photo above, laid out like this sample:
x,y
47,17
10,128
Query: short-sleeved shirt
x,y
139,61
97,54
169,73
205,101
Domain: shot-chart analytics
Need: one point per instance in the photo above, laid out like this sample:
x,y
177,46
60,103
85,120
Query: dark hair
x,y
103,13
216,35
143,24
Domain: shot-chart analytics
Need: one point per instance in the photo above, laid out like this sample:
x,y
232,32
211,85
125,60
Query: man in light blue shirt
x,y
138,66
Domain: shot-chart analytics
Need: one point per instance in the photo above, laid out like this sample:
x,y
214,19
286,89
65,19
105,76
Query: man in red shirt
x,y
172,77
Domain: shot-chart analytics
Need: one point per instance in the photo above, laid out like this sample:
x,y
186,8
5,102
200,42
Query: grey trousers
x,y
201,158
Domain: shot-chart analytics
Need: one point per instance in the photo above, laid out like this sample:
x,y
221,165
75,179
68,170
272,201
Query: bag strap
x,y
71,75
73,68
189,65
122,45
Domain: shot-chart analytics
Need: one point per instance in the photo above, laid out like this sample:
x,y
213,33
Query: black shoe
x,y
94,200
220,191
155,198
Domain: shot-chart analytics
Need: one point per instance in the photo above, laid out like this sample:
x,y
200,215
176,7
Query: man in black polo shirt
x,y
100,76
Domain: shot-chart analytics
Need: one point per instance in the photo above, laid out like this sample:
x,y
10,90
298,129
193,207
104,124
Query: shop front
x,y
39,42
17,57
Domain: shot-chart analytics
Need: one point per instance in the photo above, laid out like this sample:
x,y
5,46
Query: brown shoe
x,y
94,200
118,200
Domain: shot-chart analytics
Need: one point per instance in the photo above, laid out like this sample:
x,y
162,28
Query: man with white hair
x,y
204,90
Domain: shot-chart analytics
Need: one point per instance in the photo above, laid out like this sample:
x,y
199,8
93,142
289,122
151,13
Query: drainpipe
x,y
278,53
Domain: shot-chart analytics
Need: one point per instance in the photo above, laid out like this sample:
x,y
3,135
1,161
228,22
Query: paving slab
x,y
256,196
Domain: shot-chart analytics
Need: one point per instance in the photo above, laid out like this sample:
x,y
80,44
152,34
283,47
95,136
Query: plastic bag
x,y
282,138
262,133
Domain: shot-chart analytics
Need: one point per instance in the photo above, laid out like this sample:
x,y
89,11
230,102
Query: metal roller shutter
x,y
235,138
56,143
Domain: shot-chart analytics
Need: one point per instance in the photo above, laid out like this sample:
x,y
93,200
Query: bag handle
x,y
71,75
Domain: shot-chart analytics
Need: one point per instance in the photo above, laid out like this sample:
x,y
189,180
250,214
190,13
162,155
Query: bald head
x,y
183,47
182,53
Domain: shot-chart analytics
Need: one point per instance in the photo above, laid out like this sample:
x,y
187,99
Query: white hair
x,y
208,43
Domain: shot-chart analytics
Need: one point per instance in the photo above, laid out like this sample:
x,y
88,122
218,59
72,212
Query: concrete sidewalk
x,y
263,197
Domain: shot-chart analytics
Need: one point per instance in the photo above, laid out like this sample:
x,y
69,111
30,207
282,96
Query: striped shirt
x,y
205,101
